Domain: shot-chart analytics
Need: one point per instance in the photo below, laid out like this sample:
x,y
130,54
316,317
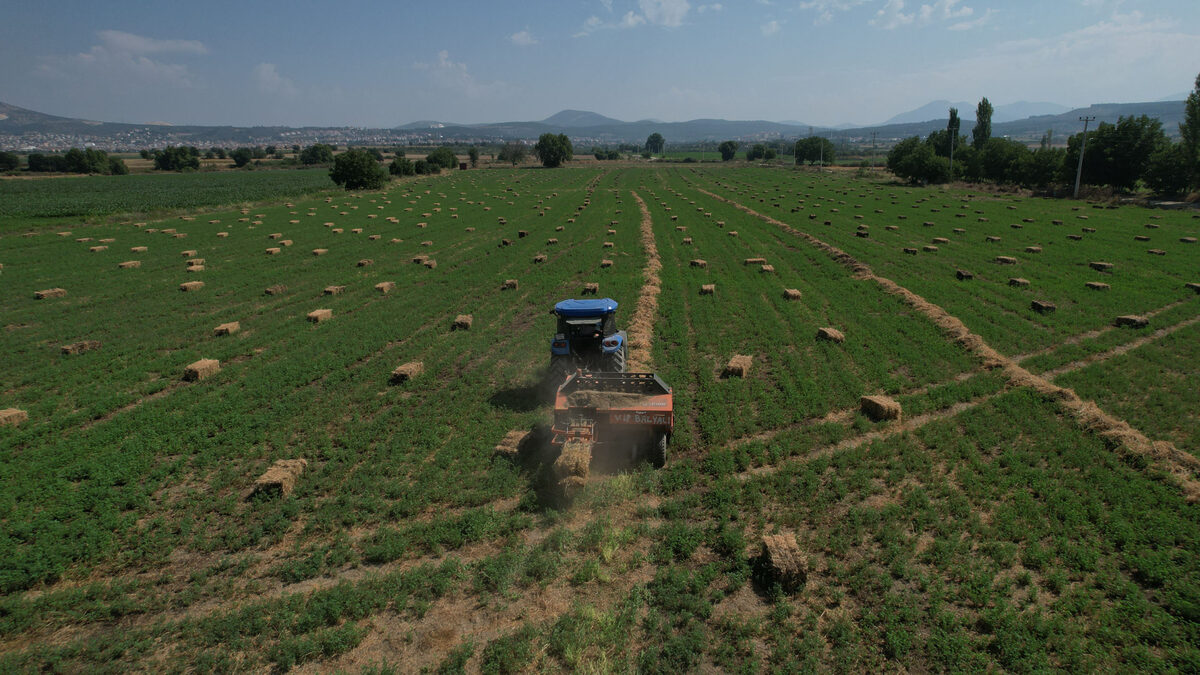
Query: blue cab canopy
x,y
585,308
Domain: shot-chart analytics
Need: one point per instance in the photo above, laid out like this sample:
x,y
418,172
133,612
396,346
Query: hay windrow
x,y
641,325
1162,454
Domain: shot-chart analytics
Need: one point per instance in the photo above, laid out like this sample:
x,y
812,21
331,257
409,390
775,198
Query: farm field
x,y
1002,523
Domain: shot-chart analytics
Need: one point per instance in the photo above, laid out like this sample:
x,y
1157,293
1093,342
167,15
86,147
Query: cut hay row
x,y
641,325
1182,466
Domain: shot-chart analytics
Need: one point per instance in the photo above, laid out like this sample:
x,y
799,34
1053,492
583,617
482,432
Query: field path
x,y
1161,455
1119,349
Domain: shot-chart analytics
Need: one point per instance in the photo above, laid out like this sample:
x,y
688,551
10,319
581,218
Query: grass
x,y
988,534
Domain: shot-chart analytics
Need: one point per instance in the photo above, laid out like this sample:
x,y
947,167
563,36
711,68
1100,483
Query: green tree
x,y
241,157
443,157
358,170
317,153
655,143
473,155
117,167
1167,170
401,166
1189,132
983,124
756,151
177,158
513,152
814,149
916,162
728,150
9,161
770,154
553,150
1117,154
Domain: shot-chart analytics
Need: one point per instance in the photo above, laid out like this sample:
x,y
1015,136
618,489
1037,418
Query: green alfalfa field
x,y
1032,509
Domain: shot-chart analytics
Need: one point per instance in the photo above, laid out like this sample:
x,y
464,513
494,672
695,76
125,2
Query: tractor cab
x,y
587,337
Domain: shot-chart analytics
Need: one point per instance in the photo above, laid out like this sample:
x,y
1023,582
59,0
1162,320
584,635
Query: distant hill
x,y
966,111
571,119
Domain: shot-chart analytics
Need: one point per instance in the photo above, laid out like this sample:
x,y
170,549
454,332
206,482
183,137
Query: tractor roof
x,y
584,308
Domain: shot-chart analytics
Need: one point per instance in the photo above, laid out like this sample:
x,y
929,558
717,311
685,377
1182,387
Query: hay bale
x,y
929,223
1056,222
1097,285
509,284
510,445
1043,307
572,465
139,249
862,234
334,290
1016,226
11,417
277,289
831,334
1132,321
227,328
385,287
1156,251
591,289
608,244
192,262
1089,230
97,249
286,242
81,347
357,230
1075,237
196,268
1033,249
320,251
407,371
699,263
222,235
891,228
275,235
708,289
190,286
1018,282
781,562
738,366
273,251
319,315
419,259
1151,226
606,263
541,258
963,275
929,249
880,408
733,233
993,239
768,269
754,261
941,240
366,262
201,369
1193,286
129,264
280,479
1101,266
1141,237
1006,260
910,251
791,294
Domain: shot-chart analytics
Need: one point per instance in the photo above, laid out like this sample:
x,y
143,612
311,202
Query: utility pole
x,y
1082,148
873,149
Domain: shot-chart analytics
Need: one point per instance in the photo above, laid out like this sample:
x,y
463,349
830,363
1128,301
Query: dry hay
x,y
551,242
929,249
320,251
613,232
139,249
357,230
81,347
1043,307
1097,285
1192,286
505,242
891,228
678,228
462,322
129,264
1075,237
319,315
275,235
334,290
910,251
1089,230
11,417
509,284
781,562
738,366
188,253
608,244
880,407
993,239
227,328
791,294
687,241
1018,282
192,262
1141,237
201,369
407,371
708,289
337,230
196,268
959,230
189,286
733,233
769,269
286,242
510,445
1006,260
277,289
280,479
963,275
1033,249
385,287
419,259
560,228
698,262
521,234
941,240
1101,266
572,466
97,249
273,251
831,334
430,264
754,261
606,263
366,262
1132,321
1187,240
1156,251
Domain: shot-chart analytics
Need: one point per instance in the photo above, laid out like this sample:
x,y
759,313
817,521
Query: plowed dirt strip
x,y
641,327
1163,455
1119,349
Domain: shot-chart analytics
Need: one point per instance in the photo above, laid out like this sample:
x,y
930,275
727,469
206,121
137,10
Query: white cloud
x,y
268,80
826,8
120,41
123,57
523,38
770,28
973,23
892,16
453,75
714,7
631,20
670,13
607,5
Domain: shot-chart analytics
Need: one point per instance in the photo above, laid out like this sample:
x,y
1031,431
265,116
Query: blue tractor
x,y
587,338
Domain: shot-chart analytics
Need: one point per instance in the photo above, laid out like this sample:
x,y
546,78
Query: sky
x,y
380,63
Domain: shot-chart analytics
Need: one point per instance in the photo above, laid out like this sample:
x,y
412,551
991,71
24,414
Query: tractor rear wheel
x,y
616,360
658,451
561,367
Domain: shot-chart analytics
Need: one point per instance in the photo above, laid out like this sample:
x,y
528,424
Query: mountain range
x,y
23,129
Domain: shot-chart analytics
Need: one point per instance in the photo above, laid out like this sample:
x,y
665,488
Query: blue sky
x,y
376,63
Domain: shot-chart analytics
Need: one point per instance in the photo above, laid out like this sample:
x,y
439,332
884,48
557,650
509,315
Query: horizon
x,y
285,64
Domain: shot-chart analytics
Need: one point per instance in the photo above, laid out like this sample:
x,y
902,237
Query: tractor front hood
x,y
585,308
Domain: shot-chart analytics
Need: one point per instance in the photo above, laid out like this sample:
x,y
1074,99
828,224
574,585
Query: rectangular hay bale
x,y
281,478
11,417
201,369
738,366
407,371
880,408
227,328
